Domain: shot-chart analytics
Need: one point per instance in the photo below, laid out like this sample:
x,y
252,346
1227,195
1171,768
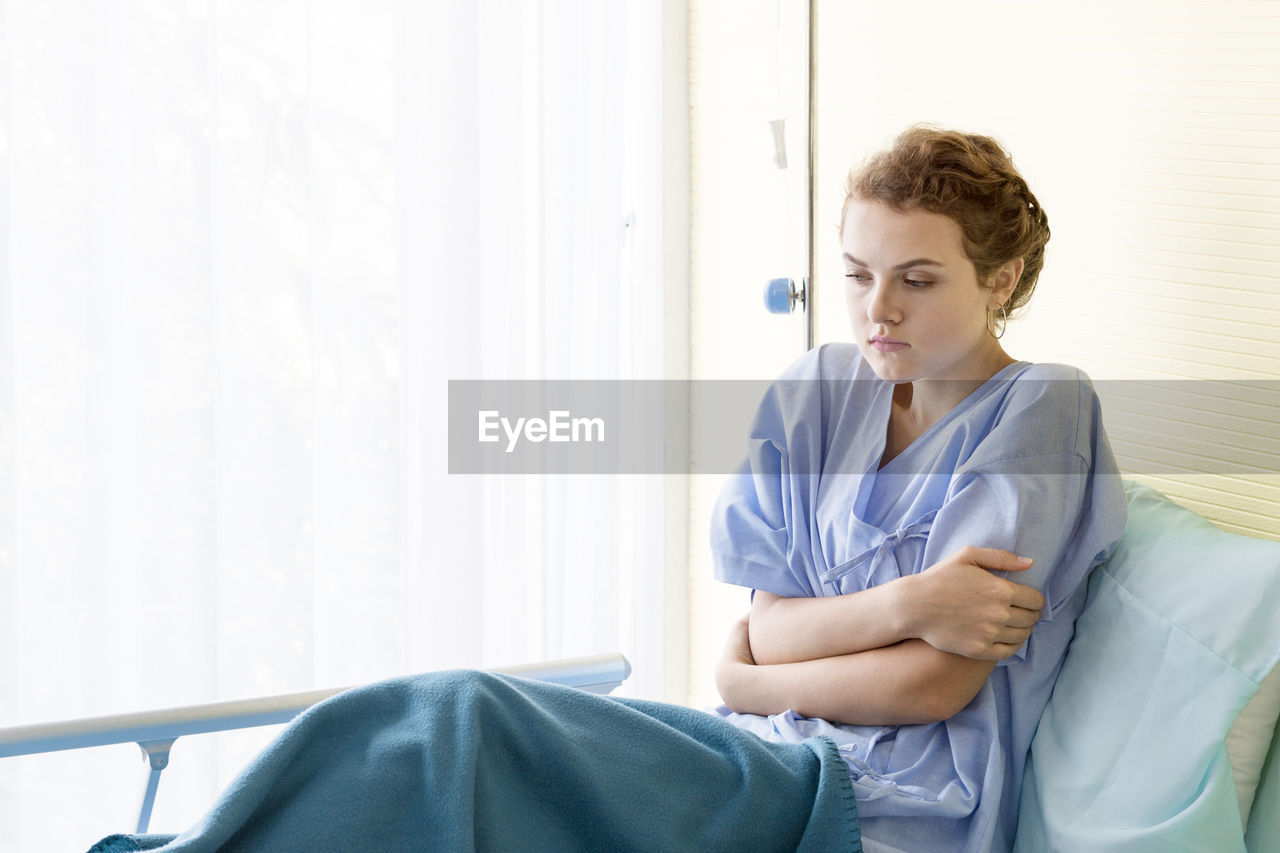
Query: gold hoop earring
x,y
991,322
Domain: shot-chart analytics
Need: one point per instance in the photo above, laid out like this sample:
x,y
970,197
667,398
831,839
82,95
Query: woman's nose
x,y
880,305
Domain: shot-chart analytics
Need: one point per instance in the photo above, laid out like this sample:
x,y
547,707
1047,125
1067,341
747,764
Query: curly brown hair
x,y
970,179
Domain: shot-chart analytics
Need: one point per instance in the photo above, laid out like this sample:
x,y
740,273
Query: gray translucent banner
x,y
611,427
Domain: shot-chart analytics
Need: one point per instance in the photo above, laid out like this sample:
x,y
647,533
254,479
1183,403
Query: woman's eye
x,y
857,276
918,282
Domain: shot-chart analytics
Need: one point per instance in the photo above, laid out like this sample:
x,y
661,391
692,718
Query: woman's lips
x,y
887,344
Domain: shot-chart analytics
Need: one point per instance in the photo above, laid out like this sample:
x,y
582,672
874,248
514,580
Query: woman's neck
x,y
924,402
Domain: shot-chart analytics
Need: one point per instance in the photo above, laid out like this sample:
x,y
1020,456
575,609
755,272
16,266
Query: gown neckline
x,y
886,403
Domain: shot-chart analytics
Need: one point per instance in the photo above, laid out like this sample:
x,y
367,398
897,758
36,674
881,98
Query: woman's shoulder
x,y
836,360
1042,410
827,372
1051,389
1050,371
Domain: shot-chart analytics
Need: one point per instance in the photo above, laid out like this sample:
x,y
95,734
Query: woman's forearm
x,y
789,630
957,605
910,682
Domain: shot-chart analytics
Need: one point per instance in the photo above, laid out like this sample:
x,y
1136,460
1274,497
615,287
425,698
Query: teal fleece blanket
x,y
464,760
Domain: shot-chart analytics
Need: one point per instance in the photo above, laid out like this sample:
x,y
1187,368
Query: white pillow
x,y
1250,737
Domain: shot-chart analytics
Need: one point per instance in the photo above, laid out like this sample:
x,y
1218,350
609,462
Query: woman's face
x,y
914,299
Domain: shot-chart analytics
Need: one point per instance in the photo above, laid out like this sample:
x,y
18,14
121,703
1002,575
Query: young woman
x,y
889,479
888,679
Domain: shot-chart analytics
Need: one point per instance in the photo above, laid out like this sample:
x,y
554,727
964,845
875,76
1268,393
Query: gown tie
x,y
879,564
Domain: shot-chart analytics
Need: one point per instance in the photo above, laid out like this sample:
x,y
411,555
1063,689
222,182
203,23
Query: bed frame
x,y
155,731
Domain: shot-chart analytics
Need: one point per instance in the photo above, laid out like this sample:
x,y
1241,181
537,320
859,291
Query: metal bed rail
x,y
156,731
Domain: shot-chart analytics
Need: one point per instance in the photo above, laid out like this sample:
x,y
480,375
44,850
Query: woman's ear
x,y
1005,279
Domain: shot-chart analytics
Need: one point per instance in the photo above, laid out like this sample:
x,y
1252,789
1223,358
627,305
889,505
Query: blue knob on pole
x,y
779,296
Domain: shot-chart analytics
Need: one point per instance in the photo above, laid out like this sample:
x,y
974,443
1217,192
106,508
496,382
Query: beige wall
x,y
749,225
1153,142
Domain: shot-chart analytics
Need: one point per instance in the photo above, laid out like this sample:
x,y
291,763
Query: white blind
x,y
244,247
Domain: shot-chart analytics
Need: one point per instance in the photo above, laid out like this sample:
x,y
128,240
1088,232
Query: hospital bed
x,y
156,731
1160,734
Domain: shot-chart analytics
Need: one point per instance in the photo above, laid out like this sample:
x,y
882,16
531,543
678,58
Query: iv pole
x,y
812,132
784,295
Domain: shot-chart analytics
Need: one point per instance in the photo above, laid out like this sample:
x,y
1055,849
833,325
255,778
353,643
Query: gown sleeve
x,y
760,527
1044,485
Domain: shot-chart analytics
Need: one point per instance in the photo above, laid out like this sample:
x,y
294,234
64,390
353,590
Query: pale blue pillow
x,y
1181,624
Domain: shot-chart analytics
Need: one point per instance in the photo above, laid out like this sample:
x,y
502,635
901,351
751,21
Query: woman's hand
x,y
957,605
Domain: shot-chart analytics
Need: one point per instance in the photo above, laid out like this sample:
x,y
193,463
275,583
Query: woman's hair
x,y
969,179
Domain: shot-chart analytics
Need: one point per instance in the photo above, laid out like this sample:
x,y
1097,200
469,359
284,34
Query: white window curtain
x,y
243,248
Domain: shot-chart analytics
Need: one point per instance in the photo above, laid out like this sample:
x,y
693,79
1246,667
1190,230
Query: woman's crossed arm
x,y
915,650
908,682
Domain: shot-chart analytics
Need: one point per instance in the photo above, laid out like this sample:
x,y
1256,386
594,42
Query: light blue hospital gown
x,y
1021,464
